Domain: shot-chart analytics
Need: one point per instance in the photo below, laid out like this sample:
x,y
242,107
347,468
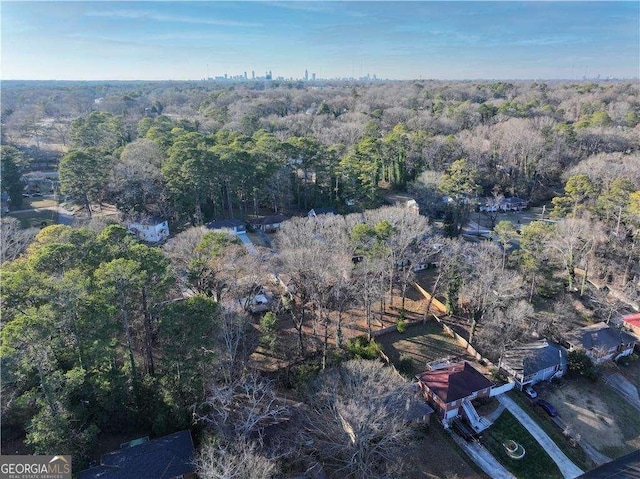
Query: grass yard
x,y
632,370
419,344
536,463
36,219
598,413
575,454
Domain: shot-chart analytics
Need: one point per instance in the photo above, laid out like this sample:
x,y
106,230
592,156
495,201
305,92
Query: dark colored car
x,y
548,408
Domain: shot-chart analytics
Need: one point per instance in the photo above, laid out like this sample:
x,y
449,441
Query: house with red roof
x,y
451,389
632,323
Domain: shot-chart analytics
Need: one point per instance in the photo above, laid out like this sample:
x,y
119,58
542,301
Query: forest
x,y
104,335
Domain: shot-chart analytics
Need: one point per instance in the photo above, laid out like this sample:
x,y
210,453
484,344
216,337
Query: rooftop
x,y
530,358
599,335
454,382
222,224
163,458
269,220
632,319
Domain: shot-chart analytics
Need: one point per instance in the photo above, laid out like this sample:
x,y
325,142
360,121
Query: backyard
x,y
535,464
419,344
598,414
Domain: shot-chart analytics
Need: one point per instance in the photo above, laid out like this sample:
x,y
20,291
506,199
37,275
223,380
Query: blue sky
x,y
402,40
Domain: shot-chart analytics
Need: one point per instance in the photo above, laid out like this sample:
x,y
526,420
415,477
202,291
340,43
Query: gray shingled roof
x,y
530,358
599,336
162,458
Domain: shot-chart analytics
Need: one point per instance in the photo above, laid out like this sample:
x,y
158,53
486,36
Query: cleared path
x,y
483,458
247,243
568,469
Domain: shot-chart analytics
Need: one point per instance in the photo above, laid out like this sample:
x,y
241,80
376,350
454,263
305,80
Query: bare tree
x,y
573,240
242,408
356,424
238,460
14,240
488,287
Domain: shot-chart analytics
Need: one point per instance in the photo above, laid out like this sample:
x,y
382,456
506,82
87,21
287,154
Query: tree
x,y
459,183
573,240
121,280
237,460
243,408
186,336
534,257
14,239
189,172
506,232
100,130
83,175
356,423
580,193
136,184
11,163
487,288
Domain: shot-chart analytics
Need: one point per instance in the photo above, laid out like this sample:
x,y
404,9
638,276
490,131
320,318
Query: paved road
x,y
65,217
568,469
483,458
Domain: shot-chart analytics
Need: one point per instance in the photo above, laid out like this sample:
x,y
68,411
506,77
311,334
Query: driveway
x,y
483,458
625,387
568,469
247,242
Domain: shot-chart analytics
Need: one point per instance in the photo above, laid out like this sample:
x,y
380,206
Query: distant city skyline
x,y
304,40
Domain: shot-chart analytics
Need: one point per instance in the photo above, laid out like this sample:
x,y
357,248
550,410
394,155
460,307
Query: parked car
x,y
548,408
529,392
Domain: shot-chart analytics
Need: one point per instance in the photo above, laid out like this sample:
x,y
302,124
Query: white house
x,y
534,362
151,230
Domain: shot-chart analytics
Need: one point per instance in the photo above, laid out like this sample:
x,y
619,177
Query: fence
x,y
441,308
459,339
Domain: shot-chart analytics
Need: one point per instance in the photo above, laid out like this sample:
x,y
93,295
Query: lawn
x,y
575,454
36,219
598,413
535,464
419,344
632,369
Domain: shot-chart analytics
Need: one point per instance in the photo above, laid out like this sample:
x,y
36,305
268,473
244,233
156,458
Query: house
x,y
534,362
403,201
152,230
269,223
259,303
632,323
232,226
417,411
451,389
321,211
168,457
513,204
601,342
625,467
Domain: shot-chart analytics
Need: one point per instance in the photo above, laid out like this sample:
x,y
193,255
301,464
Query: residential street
x,y
483,458
568,469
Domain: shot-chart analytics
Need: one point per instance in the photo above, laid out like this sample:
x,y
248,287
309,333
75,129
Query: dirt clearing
x,y
597,413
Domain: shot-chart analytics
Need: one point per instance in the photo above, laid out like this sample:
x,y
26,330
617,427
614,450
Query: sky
x,y
123,40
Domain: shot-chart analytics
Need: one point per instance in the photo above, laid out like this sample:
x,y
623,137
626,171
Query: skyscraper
x,y
306,75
